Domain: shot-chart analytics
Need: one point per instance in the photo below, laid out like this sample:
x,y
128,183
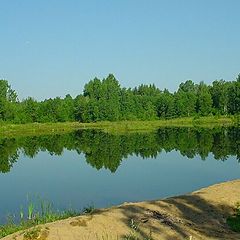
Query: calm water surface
x,y
94,168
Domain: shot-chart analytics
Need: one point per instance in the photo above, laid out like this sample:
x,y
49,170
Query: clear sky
x,y
49,48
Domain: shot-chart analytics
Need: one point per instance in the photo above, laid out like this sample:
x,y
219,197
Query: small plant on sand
x,y
234,221
32,234
36,233
88,209
134,234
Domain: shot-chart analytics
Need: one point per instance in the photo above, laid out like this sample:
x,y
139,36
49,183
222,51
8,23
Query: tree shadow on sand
x,y
180,218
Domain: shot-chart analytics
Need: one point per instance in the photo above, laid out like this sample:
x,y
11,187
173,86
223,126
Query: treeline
x,y
106,100
103,150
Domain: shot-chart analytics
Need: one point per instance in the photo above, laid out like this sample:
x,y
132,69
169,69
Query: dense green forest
x,y
106,100
103,150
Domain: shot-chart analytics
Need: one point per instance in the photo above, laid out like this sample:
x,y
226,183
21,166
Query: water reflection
x,y
103,150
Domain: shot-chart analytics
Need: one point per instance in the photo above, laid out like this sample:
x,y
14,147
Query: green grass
x,y
11,130
36,214
234,221
143,126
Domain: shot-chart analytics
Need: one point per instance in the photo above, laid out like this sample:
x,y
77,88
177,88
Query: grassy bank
x,y
37,213
136,126
12,227
35,219
9,130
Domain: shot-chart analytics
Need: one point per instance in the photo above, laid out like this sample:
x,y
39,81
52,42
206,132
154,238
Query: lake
x,y
89,167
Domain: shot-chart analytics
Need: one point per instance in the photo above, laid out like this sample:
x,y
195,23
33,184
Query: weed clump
x,y
234,221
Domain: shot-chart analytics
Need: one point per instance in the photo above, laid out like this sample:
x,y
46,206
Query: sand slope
x,y
197,216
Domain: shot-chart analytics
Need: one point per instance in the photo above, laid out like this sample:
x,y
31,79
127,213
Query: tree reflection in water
x,y
103,150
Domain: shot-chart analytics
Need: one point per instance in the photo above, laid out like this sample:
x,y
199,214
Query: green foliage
x,y
204,100
105,100
186,99
7,98
234,97
234,221
219,92
166,105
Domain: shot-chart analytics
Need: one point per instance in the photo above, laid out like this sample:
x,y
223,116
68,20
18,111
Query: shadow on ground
x,y
180,217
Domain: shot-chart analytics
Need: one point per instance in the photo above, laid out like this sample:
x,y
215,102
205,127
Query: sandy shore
x,y
200,215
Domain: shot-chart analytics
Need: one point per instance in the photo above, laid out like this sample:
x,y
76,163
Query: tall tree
x,y
166,105
204,100
234,96
186,98
219,92
7,96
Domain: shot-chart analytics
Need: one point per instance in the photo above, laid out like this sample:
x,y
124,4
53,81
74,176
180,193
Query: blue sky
x,y
49,48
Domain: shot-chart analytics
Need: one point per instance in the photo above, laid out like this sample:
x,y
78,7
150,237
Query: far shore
x,y
10,130
200,215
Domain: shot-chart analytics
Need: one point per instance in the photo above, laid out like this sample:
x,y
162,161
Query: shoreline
x,y
198,215
31,129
